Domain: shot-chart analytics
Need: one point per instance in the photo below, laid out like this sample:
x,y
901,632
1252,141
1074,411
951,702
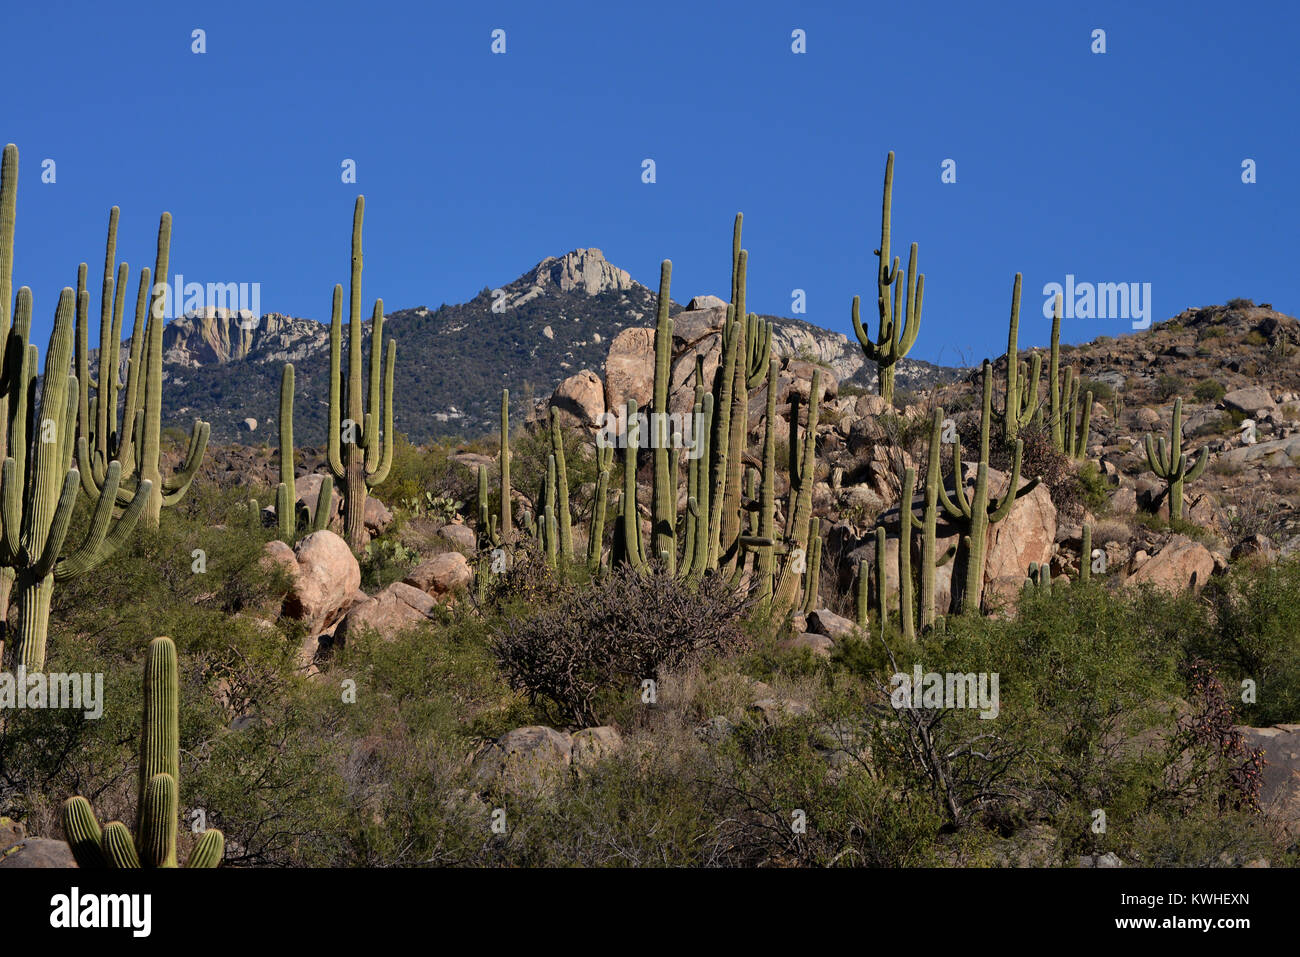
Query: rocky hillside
x,y
553,321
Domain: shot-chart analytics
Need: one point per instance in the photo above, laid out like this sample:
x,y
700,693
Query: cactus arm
x,y
209,850
1202,460
58,528
175,486
118,847
370,440
159,806
82,832
380,474
83,560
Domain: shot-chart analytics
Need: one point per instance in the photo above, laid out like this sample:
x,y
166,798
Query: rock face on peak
x,y
583,270
218,336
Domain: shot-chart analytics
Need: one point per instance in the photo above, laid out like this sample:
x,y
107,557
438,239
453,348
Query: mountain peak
x,y
582,270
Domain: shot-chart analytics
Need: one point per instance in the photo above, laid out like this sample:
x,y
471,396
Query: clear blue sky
x,y
1121,167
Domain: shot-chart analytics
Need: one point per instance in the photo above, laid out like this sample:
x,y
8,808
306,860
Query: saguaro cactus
x,y
972,510
38,483
900,320
158,806
1022,401
137,442
503,463
599,505
286,493
930,559
563,518
1168,462
803,463
663,500
360,454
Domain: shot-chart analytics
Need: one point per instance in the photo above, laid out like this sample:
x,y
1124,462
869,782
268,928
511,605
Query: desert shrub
x,y
1167,386
1102,392
1254,338
1211,332
1239,303
1039,457
618,631
1256,636
1209,390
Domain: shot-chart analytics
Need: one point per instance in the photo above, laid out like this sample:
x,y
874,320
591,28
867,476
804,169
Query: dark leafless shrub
x,y
614,632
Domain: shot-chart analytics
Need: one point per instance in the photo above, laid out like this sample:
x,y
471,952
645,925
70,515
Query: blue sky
x,y
1115,167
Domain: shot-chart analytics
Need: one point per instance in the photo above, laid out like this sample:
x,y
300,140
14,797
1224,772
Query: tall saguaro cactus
x,y
135,443
663,500
38,483
158,805
900,318
286,493
972,509
1168,462
360,452
803,462
1021,405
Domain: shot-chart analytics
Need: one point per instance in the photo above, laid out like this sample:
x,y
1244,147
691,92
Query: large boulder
x,y
307,488
462,536
533,758
1181,565
630,368
592,745
580,400
1027,535
1279,793
38,852
395,609
441,574
326,579
1248,400
376,516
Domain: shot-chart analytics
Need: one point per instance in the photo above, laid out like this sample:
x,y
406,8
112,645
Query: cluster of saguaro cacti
x,y
286,493
360,449
972,510
158,803
1168,462
729,523
134,441
38,481
898,298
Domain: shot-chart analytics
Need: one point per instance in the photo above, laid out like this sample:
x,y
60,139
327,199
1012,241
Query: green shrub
x,y
1209,390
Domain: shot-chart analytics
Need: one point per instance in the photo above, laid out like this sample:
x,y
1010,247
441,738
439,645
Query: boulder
x,y
630,368
395,609
823,621
819,645
376,516
592,745
1248,400
1279,793
327,577
1025,536
307,489
533,757
441,574
580,400
1180,565
462,536
1275,454
38,852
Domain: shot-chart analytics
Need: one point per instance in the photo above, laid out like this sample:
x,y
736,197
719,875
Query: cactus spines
x,y
38,483
564,519
861,594
906,523
1168,462
157,820
1022,381
1085,554
930,560
972,510
799,513
663,500
503,464
900,319
360,450
600,502
812,574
